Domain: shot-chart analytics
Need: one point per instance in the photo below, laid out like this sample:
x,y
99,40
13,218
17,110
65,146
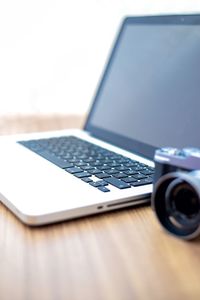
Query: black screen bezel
x,y
121,141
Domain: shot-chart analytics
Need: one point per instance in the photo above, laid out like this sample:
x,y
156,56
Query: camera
x,y
176,191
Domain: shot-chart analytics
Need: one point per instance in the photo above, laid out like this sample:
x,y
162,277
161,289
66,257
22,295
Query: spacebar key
x,y
55,160
117,183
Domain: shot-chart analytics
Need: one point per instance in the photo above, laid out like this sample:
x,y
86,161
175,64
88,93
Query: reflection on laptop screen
x,y
151,90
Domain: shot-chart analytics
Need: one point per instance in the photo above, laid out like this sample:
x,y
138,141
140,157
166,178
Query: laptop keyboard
x,y
93,164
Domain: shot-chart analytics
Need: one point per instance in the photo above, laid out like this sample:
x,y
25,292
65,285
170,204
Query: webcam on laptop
x,y
176,193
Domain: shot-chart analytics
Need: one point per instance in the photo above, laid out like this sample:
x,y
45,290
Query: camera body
x,y
176,192
172,160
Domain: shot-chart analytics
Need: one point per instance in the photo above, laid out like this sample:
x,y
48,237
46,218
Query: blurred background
x,y
52,52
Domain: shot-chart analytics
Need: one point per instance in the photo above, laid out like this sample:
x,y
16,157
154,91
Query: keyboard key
x,y
80,164
120,175
82,174
130,172
102,182
122,168
129,179
96,164
112,171
147,172
99,183
86,168
74,170
139,176
117,183
73,160
142,182
86,179
123,160
94,171
88,160
137,168
114,164
106,161
114,157
131,164
103,189
104,168
95,184
102,175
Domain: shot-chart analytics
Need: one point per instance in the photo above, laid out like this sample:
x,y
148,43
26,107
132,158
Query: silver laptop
x,y
148,97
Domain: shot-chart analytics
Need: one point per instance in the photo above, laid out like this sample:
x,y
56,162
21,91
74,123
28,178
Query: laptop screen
x,y
149,94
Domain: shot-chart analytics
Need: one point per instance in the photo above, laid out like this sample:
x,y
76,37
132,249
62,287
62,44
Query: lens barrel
x,y
176,202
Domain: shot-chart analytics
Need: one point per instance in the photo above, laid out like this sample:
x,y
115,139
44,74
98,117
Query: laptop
x,y
148,97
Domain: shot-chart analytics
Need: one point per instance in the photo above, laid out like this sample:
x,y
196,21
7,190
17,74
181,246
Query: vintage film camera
x,y
176,192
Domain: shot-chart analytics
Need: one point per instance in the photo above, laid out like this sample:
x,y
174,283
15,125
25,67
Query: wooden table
x,y
118,255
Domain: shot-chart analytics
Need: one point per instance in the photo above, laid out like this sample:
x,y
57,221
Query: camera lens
x,y
176,201
182,202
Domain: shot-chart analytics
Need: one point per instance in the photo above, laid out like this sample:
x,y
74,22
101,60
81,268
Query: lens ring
x,y
163,215
182,202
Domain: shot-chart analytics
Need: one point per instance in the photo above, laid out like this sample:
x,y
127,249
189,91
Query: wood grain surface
x,y
119,255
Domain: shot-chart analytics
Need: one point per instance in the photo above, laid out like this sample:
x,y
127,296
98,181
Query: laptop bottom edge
x,y
62,216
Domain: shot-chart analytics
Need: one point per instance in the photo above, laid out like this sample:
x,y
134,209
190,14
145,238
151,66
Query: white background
x,y
52,52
